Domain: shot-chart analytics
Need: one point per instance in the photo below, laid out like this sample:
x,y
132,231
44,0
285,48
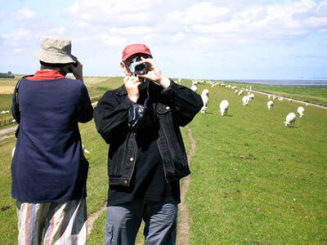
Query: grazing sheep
x,y
280,98
270,104
306,104
224,105
300,110
205,100
240,92
194,87
269,96
251,96
194,82
274,97
245,100
235,91
290,119
290,100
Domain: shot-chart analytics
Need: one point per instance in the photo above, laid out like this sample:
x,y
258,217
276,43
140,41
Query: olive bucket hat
x,y
55,50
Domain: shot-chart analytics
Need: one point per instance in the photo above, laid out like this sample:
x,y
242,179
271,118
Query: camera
x,y
138,67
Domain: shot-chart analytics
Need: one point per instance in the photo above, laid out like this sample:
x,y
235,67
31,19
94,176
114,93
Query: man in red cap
x,y
147,158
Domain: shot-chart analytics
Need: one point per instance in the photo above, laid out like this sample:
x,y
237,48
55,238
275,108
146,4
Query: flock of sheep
x,y
248,96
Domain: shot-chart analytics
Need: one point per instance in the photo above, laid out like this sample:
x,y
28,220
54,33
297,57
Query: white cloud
x,y
23,14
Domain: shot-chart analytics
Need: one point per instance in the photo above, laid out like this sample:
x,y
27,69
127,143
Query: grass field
x,y
254,181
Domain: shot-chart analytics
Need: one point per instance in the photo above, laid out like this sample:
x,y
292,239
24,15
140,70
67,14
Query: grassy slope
x,y
314,95
254,180
247,170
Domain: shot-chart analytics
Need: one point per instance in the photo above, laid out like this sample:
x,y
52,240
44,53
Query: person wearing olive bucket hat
x,y
49,170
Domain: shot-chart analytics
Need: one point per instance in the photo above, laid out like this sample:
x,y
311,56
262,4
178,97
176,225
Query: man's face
x,y
126,64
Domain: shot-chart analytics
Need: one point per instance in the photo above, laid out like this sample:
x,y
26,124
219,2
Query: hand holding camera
x,y
132,84
77,70
148,69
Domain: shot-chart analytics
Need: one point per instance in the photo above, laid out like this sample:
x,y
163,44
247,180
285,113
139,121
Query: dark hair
x,y
45,65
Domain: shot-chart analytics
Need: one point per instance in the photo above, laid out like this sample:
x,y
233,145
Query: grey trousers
x,y
124,221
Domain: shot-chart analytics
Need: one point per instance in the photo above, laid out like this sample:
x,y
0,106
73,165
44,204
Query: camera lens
x,y
141,69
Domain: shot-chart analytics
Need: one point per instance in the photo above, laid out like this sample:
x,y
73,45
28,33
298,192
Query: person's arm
x,y
86,109
185,102
110,116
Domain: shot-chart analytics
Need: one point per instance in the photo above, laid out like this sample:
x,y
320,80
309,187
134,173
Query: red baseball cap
x,y
132,49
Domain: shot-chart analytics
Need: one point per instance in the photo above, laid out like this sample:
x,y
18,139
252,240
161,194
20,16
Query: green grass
x,y
315,95
254,181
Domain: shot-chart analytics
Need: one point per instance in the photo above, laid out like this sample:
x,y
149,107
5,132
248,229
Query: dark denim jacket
x,y
175,106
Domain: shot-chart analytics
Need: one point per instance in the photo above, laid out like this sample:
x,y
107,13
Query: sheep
x,y
290,119
306,104
240,92
194,82
300,110
251,96
280,98
194,87
235,91
269,96
270,104
274,97
224,105
290,100
205,100
245,100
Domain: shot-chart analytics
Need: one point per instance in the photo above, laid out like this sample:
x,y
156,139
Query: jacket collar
x,y
121,90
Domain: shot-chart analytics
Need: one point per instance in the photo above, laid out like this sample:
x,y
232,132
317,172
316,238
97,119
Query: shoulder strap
x,y
17,88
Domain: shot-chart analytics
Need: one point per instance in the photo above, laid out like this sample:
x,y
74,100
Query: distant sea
x,y
310,83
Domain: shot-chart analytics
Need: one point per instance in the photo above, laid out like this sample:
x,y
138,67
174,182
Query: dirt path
x,y
93,217
8,130
184,218
293,100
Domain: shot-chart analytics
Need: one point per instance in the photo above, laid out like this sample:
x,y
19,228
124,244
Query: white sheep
x,y
205,100
290,119
270,104
240,92
224,105
300,110
194,87
280,98
251,96
269,96
274,97
245,100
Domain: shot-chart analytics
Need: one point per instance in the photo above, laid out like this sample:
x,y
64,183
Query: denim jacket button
x,y
131,159
167,108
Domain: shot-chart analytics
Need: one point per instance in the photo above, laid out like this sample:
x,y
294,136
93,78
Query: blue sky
x,y
234,39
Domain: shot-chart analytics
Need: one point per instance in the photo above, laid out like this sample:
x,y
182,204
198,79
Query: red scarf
x,y
46,75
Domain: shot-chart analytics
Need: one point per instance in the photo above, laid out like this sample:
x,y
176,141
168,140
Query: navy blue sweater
x,y
48,164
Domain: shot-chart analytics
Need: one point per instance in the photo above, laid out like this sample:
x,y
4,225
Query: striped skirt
x,y
54,223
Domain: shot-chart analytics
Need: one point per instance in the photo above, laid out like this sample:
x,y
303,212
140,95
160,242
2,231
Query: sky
x,y
218,39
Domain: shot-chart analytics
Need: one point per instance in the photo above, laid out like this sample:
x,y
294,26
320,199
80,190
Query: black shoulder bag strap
x,y
17,101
